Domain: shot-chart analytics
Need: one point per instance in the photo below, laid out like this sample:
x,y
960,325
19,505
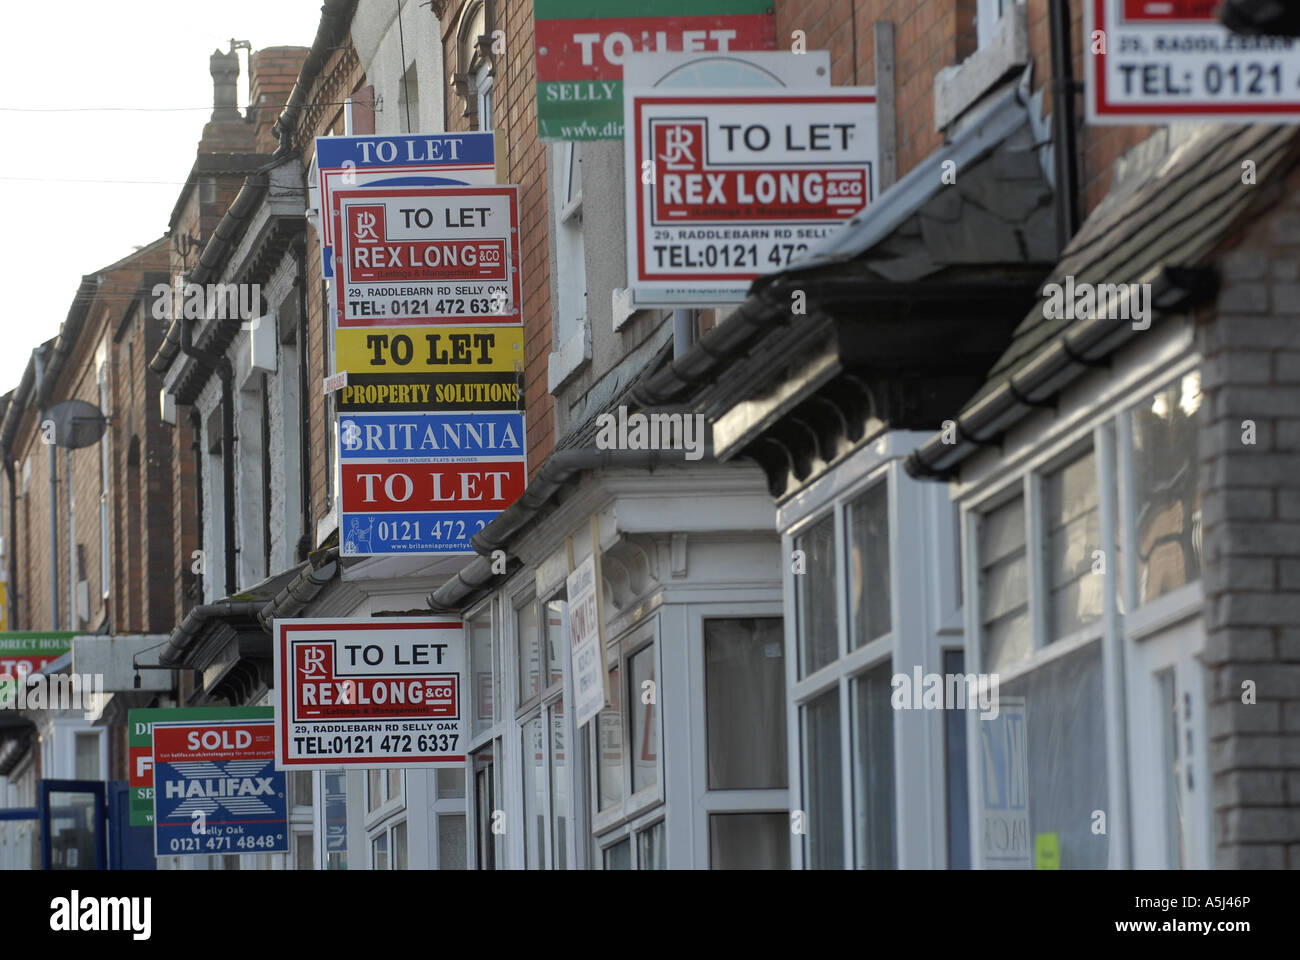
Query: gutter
x,y
336,16
68,333
558,470
1062,361
294,598
194,621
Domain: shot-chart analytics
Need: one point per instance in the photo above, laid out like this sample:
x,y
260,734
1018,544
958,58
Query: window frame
x,y
633,807
740,800
840,674
1105,427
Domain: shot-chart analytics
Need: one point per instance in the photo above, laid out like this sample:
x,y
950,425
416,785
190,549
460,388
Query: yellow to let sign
x,y
448,349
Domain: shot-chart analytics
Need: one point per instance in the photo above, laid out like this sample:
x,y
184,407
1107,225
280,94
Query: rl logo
x,y
366,223
676,144
313,660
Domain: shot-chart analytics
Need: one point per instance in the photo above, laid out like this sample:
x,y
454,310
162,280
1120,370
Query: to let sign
x,y
1168,60
423,159
216,789
438,255
385,692
581,45
589,676
723,186
426,482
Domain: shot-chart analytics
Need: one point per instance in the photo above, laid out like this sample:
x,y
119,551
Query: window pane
x,y
451,784
374,790
395,784
749,841
1173,769
336,820
873,771
815,597
1004,590
954,742
609,748
645,719
399,846
304,859
87,759
825,813
526,642
619,856
555,645
379,851
534,794
1168,495
481,666
301,783
451,841
1072,526
650,848
744,675
1055,711
559,788
868,522
486,840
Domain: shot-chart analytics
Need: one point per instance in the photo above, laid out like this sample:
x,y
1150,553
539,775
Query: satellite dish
x,y
77,424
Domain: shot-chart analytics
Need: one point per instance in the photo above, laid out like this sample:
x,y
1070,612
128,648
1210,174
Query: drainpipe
x,y
72,537
221,365
1063,125
39,357
304,434
683,332
12,599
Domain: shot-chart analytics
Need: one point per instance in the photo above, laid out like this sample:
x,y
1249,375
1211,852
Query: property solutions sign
x,y
580,46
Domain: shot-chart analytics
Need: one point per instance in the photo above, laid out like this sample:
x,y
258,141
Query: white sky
x,y
89,53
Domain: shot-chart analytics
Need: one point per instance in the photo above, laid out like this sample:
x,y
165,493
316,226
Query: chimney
x,y
225,74
272,72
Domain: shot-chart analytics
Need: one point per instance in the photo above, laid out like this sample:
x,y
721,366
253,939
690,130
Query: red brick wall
x,y
341,77
930,35
523,158
272,72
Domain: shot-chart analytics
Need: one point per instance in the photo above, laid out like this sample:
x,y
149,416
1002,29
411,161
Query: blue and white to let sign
x,y
425,483
404,160
216,790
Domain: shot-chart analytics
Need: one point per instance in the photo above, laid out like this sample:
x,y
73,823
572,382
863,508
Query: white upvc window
x,y
385,819
541,730
738,653
872,595
486,825
1083,564
485,96
571,341
627,762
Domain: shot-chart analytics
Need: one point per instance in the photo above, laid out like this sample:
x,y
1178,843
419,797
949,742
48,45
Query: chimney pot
x,y
224,68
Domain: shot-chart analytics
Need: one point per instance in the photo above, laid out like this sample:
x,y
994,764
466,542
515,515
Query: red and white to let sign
x,y
382,692
725,185
432,255
1167,60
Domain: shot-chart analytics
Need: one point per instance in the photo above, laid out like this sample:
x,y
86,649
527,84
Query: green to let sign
x,y
580,46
